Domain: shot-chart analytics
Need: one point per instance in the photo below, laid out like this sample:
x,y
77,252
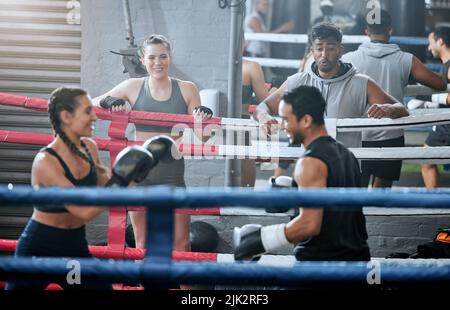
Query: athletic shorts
x,y
383,169
439,137
39,240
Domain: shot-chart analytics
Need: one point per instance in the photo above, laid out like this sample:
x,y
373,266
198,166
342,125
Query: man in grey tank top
x,y
391,68
348,94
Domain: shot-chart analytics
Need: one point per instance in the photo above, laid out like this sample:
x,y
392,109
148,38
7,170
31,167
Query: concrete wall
x,y
198,30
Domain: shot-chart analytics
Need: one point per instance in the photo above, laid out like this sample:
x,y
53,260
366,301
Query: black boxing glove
x,y
204,109
252,240
281,182
132,165
162,148
109,102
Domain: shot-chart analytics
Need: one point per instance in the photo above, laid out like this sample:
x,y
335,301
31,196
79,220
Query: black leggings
x,y
39,240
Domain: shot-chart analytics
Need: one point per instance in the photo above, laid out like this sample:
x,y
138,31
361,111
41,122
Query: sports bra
x,y
89,180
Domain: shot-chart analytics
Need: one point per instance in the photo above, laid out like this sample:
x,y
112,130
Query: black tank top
x,y
89,180
343,234
444,71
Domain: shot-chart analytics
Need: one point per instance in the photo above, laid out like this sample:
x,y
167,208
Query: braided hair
x,y
64,99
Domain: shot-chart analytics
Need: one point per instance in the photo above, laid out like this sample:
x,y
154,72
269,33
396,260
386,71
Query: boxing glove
x,y
132,164
252,240
204,109
109,102
163,148
280,182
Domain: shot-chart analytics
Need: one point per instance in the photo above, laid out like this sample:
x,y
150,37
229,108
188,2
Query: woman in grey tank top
x,y
159,93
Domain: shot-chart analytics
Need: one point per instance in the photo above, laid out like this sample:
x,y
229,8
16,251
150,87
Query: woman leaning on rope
x,y
158,92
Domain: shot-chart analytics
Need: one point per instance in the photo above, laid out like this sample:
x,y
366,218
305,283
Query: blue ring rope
x,y
219,273
170,197
409,40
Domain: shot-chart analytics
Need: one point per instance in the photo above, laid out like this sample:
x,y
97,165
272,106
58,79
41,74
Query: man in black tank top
x,y
319,234
439,46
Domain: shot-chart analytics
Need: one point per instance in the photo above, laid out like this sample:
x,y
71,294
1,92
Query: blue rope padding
x,y
170,197
409,40
220,273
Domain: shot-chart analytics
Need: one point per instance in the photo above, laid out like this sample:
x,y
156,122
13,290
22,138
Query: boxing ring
x,y
204,268
159,270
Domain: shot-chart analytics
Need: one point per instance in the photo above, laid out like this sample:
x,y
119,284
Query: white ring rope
x,y
420,90
276,63
274,152
298,38
289,261
422,118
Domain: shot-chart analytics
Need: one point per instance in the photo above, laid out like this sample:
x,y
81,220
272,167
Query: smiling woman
x,y
70,160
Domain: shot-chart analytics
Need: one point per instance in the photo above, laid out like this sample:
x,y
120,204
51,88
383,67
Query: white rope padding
x,y
432,155
276,62
243,211
424,118
298,38
416,90
289,261
273,152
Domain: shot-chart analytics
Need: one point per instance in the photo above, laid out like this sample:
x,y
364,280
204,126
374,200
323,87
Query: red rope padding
x,y
116,287
137,117
23,101
129,253
202,211
198,149
25,137
114,146
43,139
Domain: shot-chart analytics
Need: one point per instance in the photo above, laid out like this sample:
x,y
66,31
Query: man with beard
x,y
319,234
347,93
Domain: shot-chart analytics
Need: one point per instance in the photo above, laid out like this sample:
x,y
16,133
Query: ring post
x,y
117,216
160,226
234,107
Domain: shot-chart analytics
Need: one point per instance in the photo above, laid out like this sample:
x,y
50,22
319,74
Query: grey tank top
x,y
390,68
145,102
345,95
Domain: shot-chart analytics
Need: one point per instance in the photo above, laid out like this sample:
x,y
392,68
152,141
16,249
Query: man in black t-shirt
x,y
319,234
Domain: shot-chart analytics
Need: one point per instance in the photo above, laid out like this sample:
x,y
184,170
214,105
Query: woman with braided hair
x,y
70,160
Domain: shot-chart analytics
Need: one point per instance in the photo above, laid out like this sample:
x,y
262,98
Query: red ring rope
x,y
129,253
